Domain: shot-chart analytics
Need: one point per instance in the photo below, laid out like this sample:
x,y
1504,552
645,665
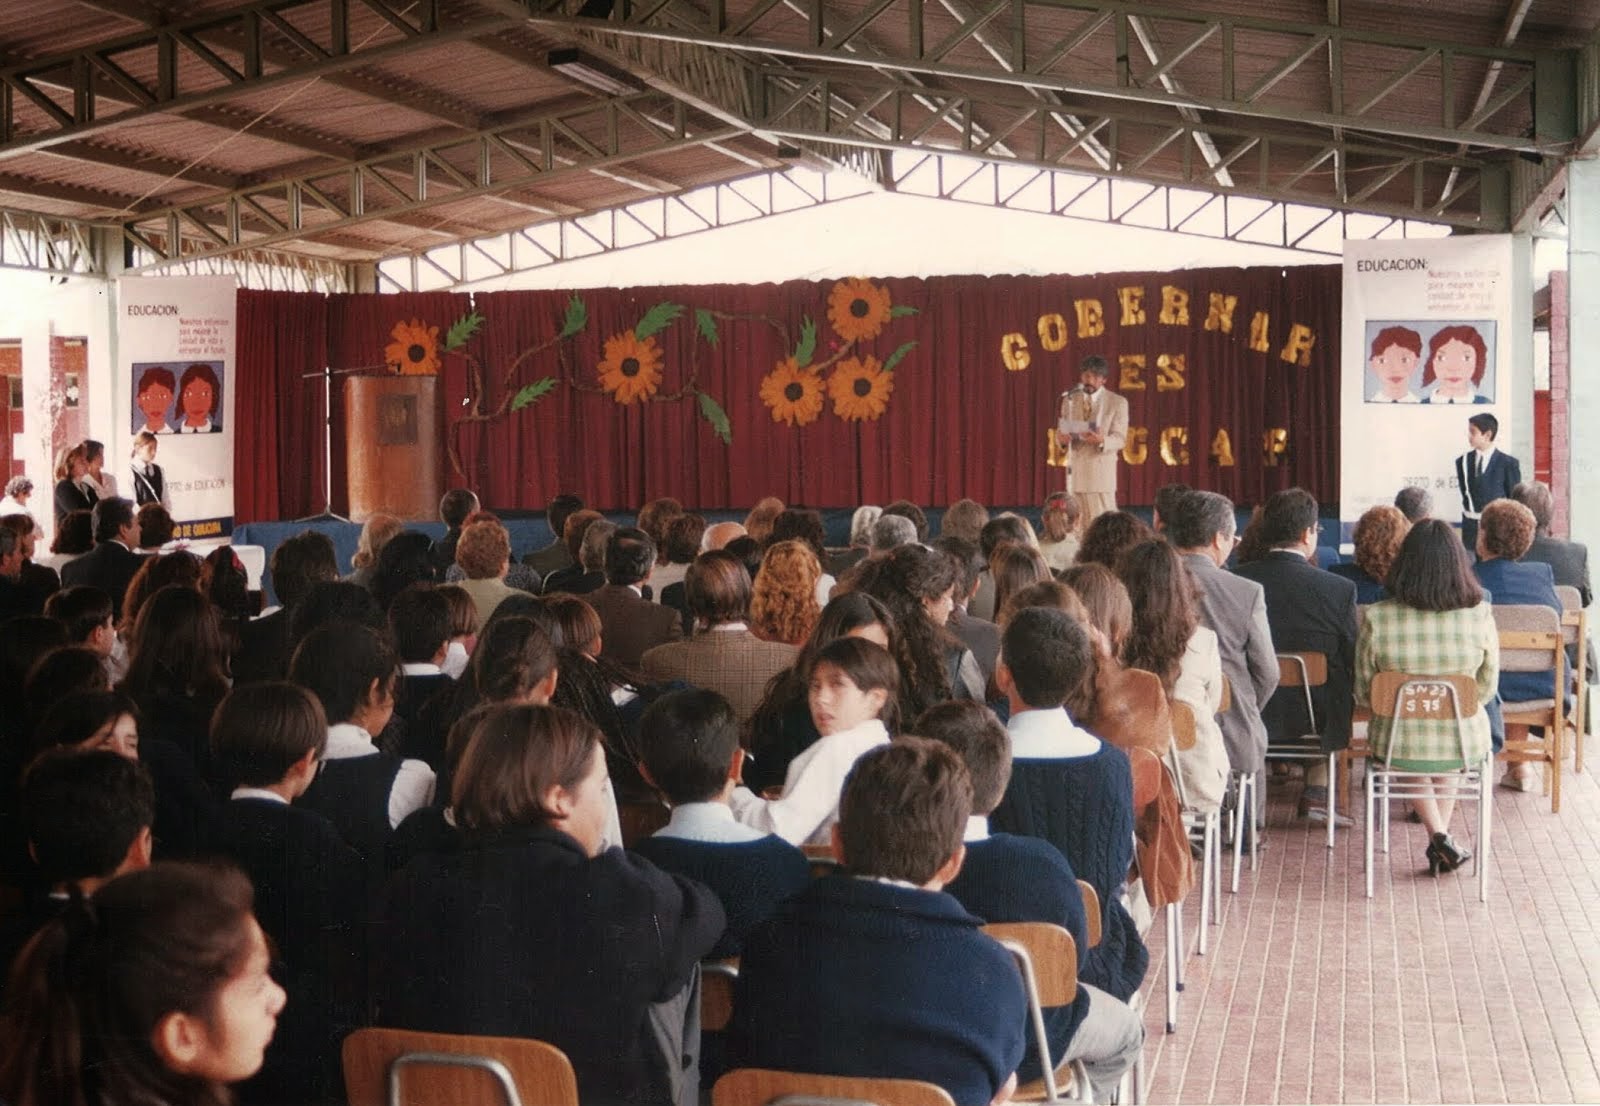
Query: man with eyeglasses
x,y
1202,528
1309,611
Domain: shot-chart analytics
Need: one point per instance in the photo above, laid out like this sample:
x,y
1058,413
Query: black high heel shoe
x,y
1444,855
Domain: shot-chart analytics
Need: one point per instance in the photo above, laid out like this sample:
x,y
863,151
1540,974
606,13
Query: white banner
x,y
1427,344
175,343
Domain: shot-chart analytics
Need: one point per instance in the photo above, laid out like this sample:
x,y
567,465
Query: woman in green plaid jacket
x,y
1438,623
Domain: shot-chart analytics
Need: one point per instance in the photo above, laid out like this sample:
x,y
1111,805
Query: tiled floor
x,y
1313,993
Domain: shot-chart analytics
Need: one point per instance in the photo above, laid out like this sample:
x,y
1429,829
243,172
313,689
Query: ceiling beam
x,y
1095,69
190,74
139,161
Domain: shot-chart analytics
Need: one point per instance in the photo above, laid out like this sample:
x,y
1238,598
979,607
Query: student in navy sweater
x,y
691,756
1067,786
1024,879
365,793
529,928
267,741
86,819
420,620
879,973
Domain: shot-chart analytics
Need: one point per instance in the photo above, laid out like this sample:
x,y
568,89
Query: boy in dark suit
x,y
420,620
267,741
880,973
1023,879
1484,474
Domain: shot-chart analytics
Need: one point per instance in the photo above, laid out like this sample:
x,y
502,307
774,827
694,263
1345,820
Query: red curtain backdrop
x,y
958,421
277,428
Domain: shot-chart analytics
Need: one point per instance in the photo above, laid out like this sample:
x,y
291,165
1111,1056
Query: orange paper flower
x,y
860,389
631,367
793,394
858,309
415,349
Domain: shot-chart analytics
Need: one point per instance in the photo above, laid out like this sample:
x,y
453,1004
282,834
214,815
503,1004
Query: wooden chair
x,y
1531,641
1048,960
1091,912
1575,632
1404,697
1199,824
761,1086
1305,670
717,978
821,859
400,1066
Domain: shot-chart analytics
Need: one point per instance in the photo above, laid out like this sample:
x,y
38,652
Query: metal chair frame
x,y
1080,1091
1298,663
1201,823
1385,782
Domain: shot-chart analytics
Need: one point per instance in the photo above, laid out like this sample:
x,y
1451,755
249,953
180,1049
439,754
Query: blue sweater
x,y
1084,807
750,877
859,978
1023,879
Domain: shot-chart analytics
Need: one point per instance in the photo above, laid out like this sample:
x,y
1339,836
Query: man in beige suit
x,y
1092,476
724,655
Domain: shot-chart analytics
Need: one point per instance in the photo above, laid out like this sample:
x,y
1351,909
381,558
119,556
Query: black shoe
x,y
1444,855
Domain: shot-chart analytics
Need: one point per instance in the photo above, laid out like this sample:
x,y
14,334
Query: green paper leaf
x,y
462,330
532,393
657,319
808,343
577,318
898,356
717,417
900,311
707,324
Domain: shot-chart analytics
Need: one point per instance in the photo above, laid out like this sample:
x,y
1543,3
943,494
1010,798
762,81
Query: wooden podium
x,y
392,446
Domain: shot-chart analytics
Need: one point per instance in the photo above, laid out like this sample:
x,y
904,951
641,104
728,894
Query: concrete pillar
x,y
1583,307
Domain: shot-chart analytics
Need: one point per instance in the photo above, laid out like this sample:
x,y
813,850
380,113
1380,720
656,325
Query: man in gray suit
x,y
1201,528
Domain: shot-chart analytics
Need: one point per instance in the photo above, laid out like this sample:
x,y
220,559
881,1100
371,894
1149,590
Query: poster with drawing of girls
x,y
1430,362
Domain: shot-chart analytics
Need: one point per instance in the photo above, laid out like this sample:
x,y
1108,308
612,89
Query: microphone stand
x,y
326,375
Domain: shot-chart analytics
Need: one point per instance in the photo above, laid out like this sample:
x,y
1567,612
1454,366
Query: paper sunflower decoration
x,y
415,349
860,388
793,394
630,371
858,309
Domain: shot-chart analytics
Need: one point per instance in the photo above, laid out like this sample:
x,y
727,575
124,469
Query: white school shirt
x,y
711,823
413,785
1049,735
810,803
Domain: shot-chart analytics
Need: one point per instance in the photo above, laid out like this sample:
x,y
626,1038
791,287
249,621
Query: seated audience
x,y
86,817
454,507
556,555
579,577
802,524
420,623
1166,500
1062,537
484,553
861,521
18,491
156,527
656,515
518,575
781,727
784,605
881,973
405,559
1378,534
758,523
1505,532
74,537
891,532
724,655
631,625
691,756
918,586
180,569
1308,610
1167,639
224,581
110,565
1437,621
996,532
964,519
1414,502
159,993
529,929
37,581
265,643
178,669
1012,567
267,742
23,642
375,534
853,694
907,509
679,546
1069,787
1568,560
1023,879
463,630
749,551
352,671
86,613
1109,536
1119,703
977,634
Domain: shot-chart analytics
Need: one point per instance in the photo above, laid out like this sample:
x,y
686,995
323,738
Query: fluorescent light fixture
x,y
575,65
